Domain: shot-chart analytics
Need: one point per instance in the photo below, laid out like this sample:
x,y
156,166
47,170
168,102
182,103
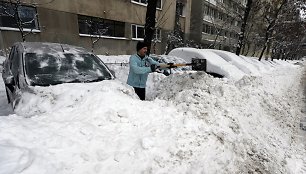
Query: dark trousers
x,y
141,92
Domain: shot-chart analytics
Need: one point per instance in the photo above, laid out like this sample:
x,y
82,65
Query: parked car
x,y
44,64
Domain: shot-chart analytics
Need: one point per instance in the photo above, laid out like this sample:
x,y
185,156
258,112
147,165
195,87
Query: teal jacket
x,y
139,70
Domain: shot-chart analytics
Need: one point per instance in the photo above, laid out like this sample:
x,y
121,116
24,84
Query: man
x,y
140,67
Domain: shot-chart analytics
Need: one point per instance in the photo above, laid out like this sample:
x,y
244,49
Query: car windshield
x,y
51,69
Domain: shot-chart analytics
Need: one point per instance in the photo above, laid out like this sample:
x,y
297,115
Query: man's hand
x,y
153,67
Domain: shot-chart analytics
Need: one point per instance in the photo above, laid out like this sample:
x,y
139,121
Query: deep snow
x,y
192,123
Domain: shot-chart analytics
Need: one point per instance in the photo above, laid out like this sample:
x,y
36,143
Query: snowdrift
x,y
240,127
194,123
65,97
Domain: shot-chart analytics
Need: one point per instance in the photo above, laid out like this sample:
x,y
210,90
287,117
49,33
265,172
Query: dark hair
x,y
140,45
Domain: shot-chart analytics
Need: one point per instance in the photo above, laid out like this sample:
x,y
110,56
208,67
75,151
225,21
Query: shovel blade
x,y
199,64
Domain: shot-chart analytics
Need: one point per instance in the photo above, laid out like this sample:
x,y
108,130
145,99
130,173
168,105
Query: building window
x,y
138,32
181,7
221,16
27,14
145,2
100,27
210,29
205,9
209,11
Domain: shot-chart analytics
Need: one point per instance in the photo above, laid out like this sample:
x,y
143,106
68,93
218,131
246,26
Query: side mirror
x,y
9,80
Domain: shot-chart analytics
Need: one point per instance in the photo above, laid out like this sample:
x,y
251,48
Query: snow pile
x,y
88,128
244,126
193,123
67,97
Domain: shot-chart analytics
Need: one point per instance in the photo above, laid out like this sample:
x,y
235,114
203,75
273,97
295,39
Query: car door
x,y
16,70
11,75
7,74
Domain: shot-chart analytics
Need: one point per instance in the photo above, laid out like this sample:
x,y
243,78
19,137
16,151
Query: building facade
x,y
221,21
108,27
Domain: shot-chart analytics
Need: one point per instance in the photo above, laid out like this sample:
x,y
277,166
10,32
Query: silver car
x,y
45,64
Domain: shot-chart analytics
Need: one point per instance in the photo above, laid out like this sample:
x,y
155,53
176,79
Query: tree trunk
x,y
268,50
150,23
18,20
215,40
243,26
247,49
254,50
262,52
267,36
270,28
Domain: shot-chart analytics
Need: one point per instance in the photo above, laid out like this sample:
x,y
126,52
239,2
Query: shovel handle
x,y
196,64
174,65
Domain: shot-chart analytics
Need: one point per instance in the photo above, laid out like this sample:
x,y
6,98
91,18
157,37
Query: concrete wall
x,y
120,10
59,23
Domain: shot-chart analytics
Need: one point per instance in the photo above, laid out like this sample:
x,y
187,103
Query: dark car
x,y
45,64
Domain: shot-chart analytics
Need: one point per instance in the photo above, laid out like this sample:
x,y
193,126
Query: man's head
x,y
141,48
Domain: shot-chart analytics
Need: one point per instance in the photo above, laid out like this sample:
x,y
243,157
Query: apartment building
x,y
221,21
114,26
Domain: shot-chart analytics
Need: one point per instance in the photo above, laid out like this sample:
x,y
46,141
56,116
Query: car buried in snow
x,y
44,64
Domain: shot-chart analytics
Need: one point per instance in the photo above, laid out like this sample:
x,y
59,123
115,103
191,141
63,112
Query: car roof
x,y
48,47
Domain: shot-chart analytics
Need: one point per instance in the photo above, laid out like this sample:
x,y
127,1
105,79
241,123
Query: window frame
x,y
21,9
101,21
182,11
156,35
136,28
145,4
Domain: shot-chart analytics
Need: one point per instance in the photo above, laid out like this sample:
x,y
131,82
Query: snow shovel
x,y
196,64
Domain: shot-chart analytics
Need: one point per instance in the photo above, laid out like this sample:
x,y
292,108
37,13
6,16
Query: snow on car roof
x,y
47,47
215,63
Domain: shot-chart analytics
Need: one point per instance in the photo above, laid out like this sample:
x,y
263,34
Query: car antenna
x,y
62,48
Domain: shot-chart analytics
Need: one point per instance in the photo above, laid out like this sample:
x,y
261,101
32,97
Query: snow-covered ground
x,y
192,123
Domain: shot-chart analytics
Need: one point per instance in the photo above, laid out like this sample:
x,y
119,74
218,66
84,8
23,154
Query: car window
x,y
50,69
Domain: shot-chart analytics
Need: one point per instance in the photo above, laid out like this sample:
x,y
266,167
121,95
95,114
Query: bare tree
x,y
13,9
96,31
153,23
243,26
252,36
150,23
271,13
288,44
